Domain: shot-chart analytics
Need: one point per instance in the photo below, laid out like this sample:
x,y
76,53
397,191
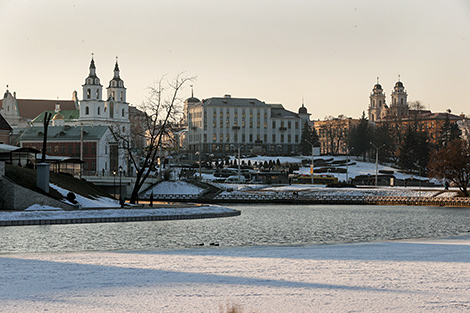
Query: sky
x,y
326,54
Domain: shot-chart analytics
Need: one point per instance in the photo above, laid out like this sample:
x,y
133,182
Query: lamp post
x,y
199,154
114,184
120,183
347,165
376,159
312,171
238,161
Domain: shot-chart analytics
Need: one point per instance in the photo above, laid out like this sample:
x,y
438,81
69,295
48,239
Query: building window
x,y
251,123
296,125
289,137
88,93
282,138
227,137
296,138
99,110
251,137
97,93
214,137
205,137
122,112
243,123
87,110
265,124
122,96
288,124
221,137
243,137
265,138
274,124
274,138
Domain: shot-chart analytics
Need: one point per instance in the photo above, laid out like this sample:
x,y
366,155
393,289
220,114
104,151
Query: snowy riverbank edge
x,y
428,275
55,216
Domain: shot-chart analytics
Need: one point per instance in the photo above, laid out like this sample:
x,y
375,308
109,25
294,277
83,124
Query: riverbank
x,y
164,212
397,276
313,194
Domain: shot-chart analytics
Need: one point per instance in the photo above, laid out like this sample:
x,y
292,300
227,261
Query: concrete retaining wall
x,y
322,199
117,219
15,197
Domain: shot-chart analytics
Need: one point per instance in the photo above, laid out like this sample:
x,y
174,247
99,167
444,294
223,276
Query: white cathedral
x,y
378,109
94,130
114,111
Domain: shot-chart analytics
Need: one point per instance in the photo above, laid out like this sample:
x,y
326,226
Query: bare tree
x,y
163,109
47,120
452,163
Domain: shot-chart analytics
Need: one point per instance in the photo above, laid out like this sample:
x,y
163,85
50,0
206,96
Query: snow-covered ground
x,y
396,276
356,167
174,187
99,202
54,213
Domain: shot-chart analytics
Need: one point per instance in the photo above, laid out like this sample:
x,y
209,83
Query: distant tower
x,y
303,113
114,110
91,105
116,106
377,106
399,105
9,108
187,103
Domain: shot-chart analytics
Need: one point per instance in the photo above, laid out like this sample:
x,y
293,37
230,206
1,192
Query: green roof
x,y
64,133
69,115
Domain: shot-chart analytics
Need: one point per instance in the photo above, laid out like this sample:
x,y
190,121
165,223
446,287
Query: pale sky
x,y
327,52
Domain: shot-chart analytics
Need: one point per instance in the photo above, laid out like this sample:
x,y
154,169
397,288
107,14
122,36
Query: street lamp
x,y
120,183
239,169
376,159
312,171
200,175
114,184
347,165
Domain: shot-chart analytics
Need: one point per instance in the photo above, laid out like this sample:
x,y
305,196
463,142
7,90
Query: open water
x,y
257,225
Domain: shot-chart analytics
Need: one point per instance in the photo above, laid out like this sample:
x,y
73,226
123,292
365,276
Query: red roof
x,y
30,108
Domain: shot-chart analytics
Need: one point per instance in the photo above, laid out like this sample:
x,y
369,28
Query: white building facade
x,y
223,125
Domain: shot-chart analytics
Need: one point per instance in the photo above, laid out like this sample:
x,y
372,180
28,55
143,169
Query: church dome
x,y
58,116
302,110
378,86
192,100
399,84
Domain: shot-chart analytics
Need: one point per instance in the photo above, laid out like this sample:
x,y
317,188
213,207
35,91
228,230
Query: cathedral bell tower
x,y
377,106
116,89
91,103
399,106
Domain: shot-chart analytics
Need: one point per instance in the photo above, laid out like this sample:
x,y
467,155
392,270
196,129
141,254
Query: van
x,y
234,179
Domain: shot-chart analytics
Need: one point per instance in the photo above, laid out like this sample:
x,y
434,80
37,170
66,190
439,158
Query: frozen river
x,y
258,225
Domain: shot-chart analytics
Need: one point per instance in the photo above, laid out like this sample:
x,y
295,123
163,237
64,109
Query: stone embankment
x,y
295,198
117,219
